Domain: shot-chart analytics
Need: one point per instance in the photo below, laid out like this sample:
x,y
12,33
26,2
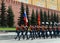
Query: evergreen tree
x,y
52,19
27,12
36,17
3,15
10,17
41,16
55,17
33,18
45,18
48,19
21,18
57,20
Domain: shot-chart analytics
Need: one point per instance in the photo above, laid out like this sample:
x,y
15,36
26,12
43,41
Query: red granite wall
x,y
16,9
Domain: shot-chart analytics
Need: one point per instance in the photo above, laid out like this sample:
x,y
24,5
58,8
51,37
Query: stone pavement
x,y
9,38
6,36
57,40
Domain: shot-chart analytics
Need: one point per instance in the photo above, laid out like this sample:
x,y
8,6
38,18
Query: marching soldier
x,y
39,31
26,32
22,32
33,31
46,30
43,31
36,32
58,31
50,32
55,32
18,32
30,36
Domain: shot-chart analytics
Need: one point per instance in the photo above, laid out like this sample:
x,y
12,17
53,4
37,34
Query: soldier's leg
x,y
54,34
58,33
35,34
32,35
51,34
47,34
20,35
44,34
16,35
24,34
39,34
27,34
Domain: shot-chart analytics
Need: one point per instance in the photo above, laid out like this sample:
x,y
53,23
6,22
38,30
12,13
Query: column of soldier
x,y
36,31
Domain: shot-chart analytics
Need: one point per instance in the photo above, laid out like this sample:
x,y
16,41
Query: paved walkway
x,y
9,38
57,40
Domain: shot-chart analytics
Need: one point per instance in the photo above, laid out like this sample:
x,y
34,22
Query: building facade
x,y
51,4
31,4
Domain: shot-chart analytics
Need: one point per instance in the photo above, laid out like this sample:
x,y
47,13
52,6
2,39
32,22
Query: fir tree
x,y
21,18
36,17
41,16
57,20
55,17
52,19
48,19
10,17
33,18
3,15
45,18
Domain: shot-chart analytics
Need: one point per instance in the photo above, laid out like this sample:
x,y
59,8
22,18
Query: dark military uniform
x,y
55,32
46,30
50,31
43,32
39,31
26,32
22,31
30,36
33,31
17,31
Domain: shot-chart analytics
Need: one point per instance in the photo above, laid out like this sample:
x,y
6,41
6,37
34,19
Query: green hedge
x,y
7,28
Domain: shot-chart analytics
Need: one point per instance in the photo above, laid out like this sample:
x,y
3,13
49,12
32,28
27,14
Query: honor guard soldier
x,y
38,29
22,26
55,31
46,30
50,32
30,36
43,31
33,30
26,32
58,31
18,32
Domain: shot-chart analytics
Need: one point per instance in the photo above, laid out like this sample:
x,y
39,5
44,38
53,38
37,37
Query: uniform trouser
x,y
22,34
50,34
59,33
26,34
55,33
36,34
33,34
46,34
18,33
39,33
43,35
30,34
